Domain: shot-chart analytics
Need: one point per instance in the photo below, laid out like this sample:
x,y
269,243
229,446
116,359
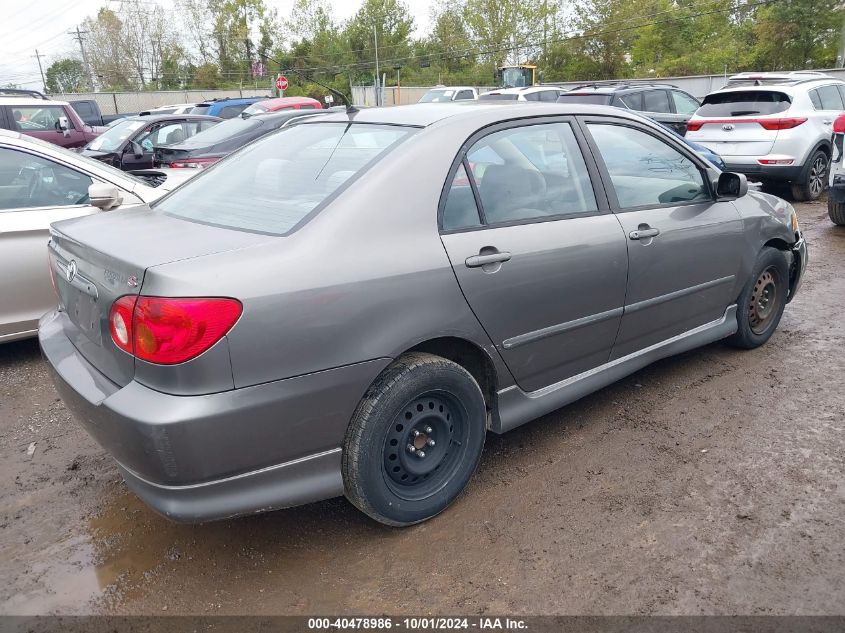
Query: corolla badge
x,y
70,273
727,127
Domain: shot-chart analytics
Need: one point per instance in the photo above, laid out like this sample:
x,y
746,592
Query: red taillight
x,y
839,124
768,124
194,163
166,331
782,124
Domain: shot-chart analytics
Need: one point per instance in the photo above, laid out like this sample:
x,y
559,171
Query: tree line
x,y
231,43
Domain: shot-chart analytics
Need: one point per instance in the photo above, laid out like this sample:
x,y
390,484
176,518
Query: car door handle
x,y
644,233
828,121
476,261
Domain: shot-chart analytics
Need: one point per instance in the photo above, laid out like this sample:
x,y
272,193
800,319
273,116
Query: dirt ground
x,y
711,482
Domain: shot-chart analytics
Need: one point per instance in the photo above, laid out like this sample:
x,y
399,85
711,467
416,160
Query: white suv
x,y
773,127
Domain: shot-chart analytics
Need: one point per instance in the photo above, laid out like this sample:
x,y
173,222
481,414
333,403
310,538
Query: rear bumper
x,y
765,173
197,458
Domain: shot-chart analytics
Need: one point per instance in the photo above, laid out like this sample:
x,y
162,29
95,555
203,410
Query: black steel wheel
x,y
415,440
762,301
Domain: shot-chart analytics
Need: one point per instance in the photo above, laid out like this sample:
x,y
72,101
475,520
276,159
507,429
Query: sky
x,y
27,26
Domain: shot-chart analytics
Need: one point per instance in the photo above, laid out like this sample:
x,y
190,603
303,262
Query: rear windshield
x,y
433,96
499,96
225,130
744,103
201,108
275,183
584,98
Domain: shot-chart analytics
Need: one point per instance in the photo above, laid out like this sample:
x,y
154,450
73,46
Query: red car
x,y
53,121
284,103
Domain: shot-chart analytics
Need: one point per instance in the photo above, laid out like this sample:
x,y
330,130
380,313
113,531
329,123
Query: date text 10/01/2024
x,y
417,624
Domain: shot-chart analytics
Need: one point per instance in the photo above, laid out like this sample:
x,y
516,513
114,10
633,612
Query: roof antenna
x,y
350,109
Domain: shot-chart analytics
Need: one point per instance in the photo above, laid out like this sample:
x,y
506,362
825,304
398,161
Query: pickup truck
x,y
53,121
89,111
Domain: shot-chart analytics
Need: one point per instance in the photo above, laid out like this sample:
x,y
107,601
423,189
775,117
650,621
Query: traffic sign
x,y
282,82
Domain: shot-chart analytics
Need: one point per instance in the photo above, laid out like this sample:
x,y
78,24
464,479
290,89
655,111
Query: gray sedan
x,y
350,305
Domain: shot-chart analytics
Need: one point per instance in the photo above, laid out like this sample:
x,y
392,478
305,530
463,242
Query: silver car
x,y
350,305
41,183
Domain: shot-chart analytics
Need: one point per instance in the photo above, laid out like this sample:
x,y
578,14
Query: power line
x,y
78,37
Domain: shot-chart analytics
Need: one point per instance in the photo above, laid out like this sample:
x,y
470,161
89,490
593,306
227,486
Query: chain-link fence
x,y
129,102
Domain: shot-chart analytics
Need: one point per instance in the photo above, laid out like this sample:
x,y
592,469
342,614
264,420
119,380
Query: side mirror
x,y
62,124
136,148
104,196
730,186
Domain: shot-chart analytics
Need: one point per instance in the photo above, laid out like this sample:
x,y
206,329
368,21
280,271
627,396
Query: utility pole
x,y
375,37
77,35
38,56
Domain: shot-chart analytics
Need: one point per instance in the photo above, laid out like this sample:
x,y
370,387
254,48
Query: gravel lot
x,y
711,482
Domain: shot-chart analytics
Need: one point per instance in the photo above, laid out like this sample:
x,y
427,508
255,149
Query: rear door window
x,y
656,101
460,211
814,97
744,103
830,98
684,103
632,101
463,95
276,182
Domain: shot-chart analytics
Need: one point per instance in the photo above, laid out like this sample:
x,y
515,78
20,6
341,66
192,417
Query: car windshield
x,y
256,108
744,103
584,98
499,96
115,136
224,131
435,96
275,183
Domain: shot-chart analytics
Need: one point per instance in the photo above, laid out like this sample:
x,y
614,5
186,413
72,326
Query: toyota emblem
x,y
727,127
70,273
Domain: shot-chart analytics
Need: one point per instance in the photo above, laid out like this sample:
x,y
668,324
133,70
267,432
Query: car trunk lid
x,y
98,261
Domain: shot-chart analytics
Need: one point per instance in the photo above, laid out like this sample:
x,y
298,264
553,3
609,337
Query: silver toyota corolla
x,y
348,306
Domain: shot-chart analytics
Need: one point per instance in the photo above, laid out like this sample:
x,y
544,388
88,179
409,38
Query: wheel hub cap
x,y
763,301
422,443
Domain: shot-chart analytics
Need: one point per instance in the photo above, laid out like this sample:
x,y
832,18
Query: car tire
x,y
762,300
414,441
836,211
813,179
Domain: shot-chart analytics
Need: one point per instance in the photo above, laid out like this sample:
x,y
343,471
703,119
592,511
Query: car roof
x,y
29,102
522,90
425,114
611,87
281,101
230,100
451,88
163,117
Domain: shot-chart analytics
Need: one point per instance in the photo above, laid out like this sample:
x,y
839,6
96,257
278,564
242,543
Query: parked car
x,y
176,108
210,146
132,143
42,183
397,282
530,93
52,121
836,195
445,94
773,127
283,103
665,103
226,108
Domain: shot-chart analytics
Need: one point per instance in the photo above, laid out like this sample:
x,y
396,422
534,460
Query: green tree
x,y
796,34
66,75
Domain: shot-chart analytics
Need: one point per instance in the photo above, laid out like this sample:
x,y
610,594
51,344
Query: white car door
x,y
34,192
